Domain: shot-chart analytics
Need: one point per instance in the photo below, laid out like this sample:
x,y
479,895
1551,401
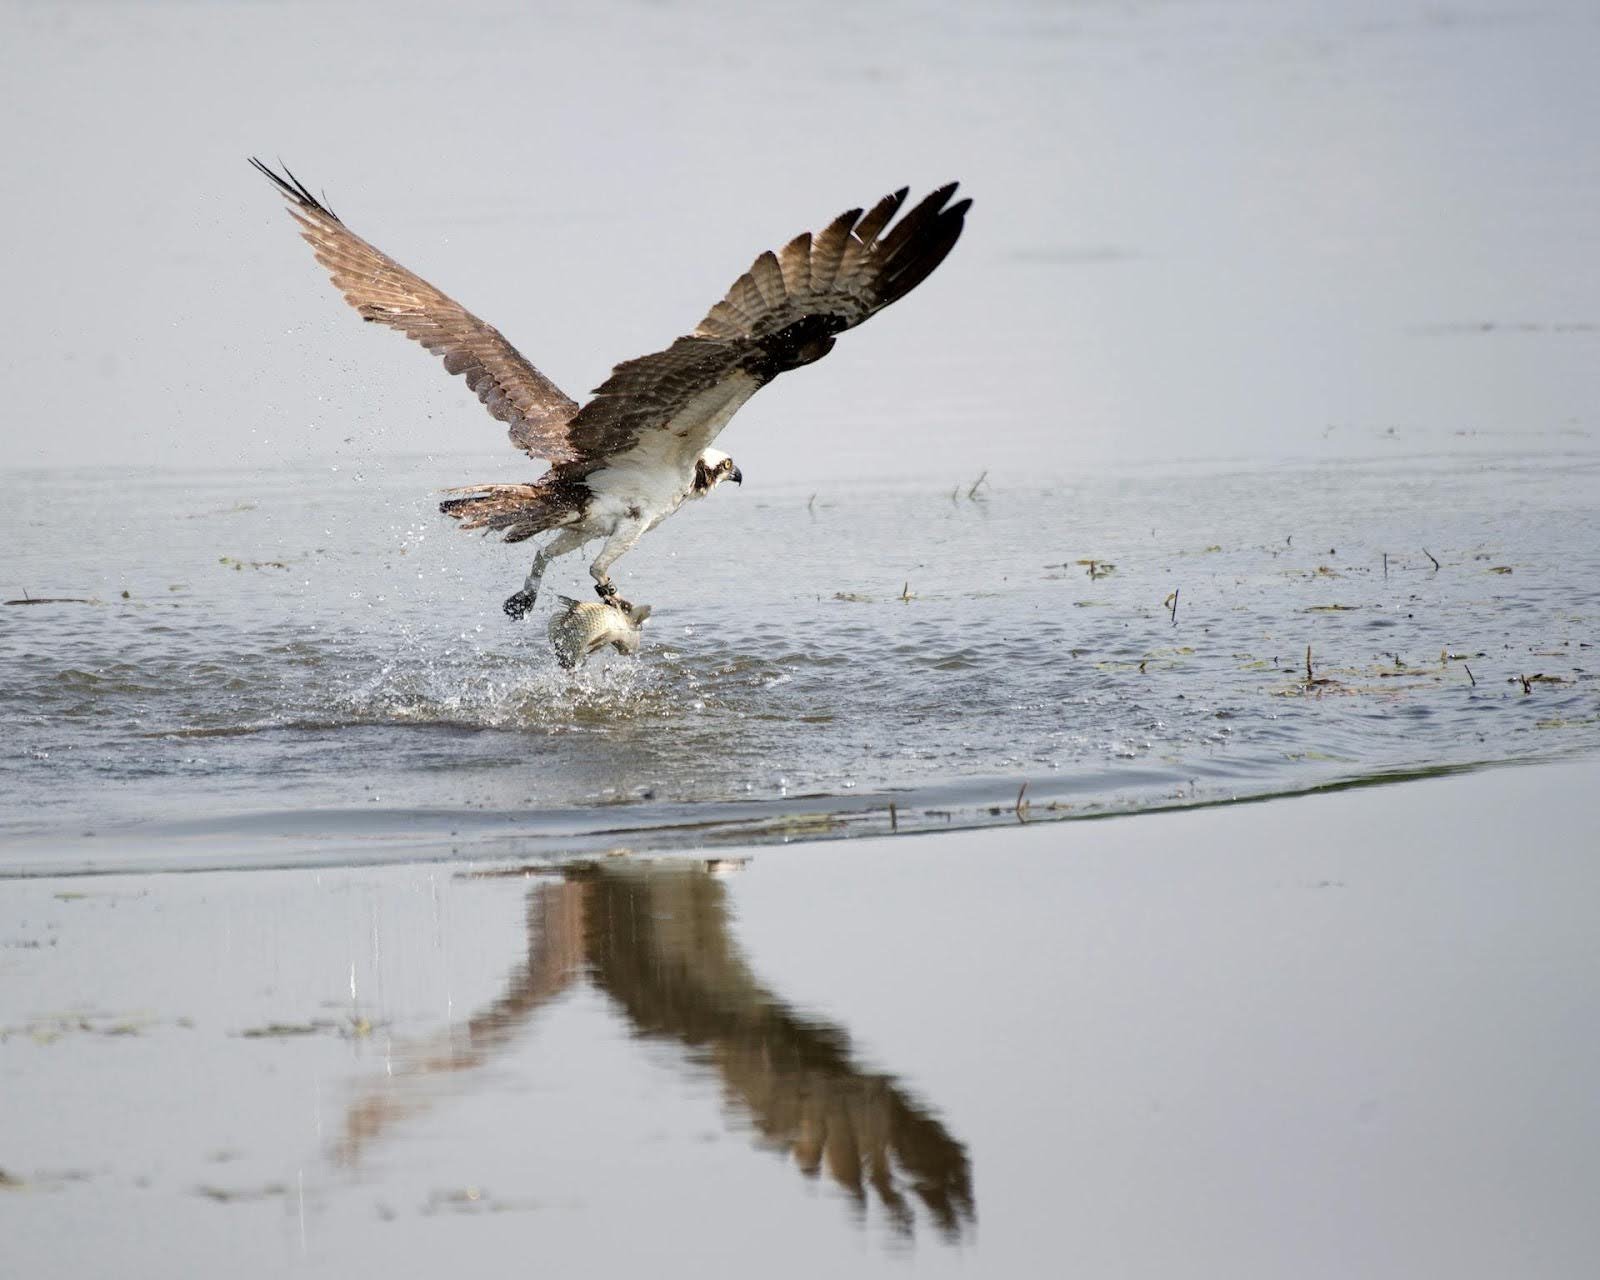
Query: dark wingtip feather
x,y
878,217
921,241
291,188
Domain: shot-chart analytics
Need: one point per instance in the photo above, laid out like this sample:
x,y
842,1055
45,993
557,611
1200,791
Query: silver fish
x,y
584,626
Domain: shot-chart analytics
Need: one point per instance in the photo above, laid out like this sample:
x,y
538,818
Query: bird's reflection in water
x,y
655,938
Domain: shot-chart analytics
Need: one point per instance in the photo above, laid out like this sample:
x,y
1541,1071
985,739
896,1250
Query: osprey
x,y
641,447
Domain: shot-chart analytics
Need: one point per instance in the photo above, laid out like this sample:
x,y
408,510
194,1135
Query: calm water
x,y
1335,1035
310,665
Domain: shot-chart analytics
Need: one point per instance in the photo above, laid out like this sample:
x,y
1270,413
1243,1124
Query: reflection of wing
x,y
377,286
555,956
782,313
659,944
656,940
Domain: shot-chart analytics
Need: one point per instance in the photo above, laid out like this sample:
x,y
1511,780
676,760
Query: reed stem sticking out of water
x,y
27,599
972,492
1172,604
1430,556
1022,803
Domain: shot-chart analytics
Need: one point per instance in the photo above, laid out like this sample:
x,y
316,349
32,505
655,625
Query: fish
x,y
584,626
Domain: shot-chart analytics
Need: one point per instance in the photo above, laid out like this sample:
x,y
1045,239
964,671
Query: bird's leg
x,y
519,604
615,546
516,606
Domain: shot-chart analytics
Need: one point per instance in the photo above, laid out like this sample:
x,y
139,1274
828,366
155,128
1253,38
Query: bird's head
x,y
711,468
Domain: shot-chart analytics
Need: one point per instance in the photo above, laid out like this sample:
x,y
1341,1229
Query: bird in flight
x,y
642,446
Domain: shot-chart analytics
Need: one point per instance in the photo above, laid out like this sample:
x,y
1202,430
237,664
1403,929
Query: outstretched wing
x,y
782,313
535,409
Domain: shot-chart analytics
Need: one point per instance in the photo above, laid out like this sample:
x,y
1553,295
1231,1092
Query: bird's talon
x,y
605,590
519,604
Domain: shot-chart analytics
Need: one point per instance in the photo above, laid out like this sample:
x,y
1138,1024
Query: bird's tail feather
x,y
517,510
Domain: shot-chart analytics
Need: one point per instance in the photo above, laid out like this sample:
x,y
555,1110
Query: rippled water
x,y
311,664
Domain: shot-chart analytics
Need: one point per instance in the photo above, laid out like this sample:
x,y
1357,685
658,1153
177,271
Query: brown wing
x,y
782,313
377,286
847,272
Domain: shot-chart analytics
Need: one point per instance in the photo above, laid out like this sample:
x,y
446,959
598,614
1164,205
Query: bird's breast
x,y
627,492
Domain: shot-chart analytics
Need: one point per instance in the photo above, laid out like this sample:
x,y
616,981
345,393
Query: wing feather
x,y
796,263
853,270
828,249
878,216
381,290
746,300
768,278
780,314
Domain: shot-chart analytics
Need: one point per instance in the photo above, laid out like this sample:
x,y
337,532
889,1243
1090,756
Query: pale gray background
x,y
1204,229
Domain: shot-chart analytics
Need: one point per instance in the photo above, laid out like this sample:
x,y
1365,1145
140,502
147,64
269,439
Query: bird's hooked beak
x,y
736,476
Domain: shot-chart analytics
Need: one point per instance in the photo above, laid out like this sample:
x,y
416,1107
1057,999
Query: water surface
x,y
1334,1034
311,664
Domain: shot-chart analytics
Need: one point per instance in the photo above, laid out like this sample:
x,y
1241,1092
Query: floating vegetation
x,y
27,599
234,1195
229,562
352,1027
48,1030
